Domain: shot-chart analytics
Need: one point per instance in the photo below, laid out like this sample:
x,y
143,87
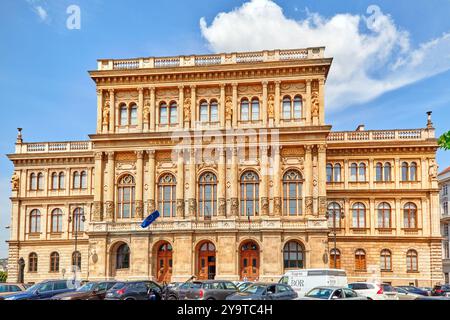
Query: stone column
x,y
277,181
222,106
192,203
263,192
181,106
277,102
112,111
307,102
221,188
111,186
321,158
308,180
97,213
321,101
234,183
152,181
264,112
99,110
140,111
139,184
152,109
193,107
180,184
235,105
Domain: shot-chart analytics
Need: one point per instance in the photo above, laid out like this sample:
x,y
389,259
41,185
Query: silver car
x,y
332,293
210,290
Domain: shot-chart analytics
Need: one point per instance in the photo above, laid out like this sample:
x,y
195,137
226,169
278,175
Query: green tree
x,y
3,276
444,141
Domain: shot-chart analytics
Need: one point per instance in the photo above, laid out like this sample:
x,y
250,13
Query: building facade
x,y
234,152
444,186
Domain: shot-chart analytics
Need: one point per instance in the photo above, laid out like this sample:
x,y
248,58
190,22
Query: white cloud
x,y
41,13
371,54
39,10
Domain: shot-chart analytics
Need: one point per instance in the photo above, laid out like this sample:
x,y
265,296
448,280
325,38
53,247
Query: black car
x,y
441,290
415,290
134,290
43,290
265,291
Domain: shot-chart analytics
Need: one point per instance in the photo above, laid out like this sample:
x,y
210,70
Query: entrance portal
x,y
164,262
206,261
249,261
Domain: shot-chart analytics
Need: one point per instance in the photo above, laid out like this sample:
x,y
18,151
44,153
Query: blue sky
x,y
47,91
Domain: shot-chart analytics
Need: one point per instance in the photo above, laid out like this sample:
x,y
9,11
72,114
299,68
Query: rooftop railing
x,y
212,59
53,147
381,135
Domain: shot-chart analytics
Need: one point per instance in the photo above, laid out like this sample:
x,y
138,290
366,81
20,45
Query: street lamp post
x,y
77,223
333,214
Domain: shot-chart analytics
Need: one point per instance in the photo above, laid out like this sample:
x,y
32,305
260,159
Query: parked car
x,y
244,285
10,288
90,291
134,290
332,293
415,290
265,291
404,294
441,290
210,290
427,290
374,291
43,290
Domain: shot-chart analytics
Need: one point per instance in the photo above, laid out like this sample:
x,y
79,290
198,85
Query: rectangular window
x,y
163,115
214,113
123,116
173,115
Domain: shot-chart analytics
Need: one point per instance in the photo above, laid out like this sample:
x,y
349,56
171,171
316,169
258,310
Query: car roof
x,y
332,287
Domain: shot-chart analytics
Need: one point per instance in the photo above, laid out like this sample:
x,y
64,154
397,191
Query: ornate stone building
x,y
234,152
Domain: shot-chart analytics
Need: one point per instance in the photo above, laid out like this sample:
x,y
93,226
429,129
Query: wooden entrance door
x,y
206,261
164,263
249,261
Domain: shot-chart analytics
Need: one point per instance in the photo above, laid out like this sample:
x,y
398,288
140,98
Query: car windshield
x,y
118,285
87,287
34,287
320,293
255,289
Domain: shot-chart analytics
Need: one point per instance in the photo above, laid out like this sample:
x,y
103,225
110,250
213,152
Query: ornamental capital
x,y
139,154
151,153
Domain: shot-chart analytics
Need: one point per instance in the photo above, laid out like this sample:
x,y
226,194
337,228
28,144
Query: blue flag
x,y
149,220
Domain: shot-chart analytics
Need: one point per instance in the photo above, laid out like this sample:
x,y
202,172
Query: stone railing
x,y
50,147
214,59
380,135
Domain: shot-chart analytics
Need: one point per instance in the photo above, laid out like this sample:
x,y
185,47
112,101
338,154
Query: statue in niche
x,y
229,108
105,113
270,106
147,112
187,109
433,170
315,104
15,181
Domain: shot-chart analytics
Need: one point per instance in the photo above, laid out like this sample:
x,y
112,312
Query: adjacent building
x,y
250,181
444,186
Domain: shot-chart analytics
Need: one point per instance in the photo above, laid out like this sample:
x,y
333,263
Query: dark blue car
x,y
414,290
43,290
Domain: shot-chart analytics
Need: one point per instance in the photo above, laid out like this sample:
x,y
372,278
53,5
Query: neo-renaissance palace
x,y
249,179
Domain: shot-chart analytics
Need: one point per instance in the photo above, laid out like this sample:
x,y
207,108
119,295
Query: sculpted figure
x,y
315,104
228,108
270,106
433,170
147,112
187,109
15,181
106,113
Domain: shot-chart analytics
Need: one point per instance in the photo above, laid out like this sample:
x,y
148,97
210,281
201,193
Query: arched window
x,y
255,109
287,107
410,216
126,197
57,216
76,259
83,180
123,114
292,193
413,171
35,221
360,260
329,172
33,181
245,110
168,114
204,111
385,260
359,215
55,181
293,255
78,220
387,171
405,171
411,261
54,262
133,114
379,172
76,180
123,257
209,113
173,114
362,172
163,113
384,215
354,172
40,181
337,172
335,259
292,109
32,262
61,178
249,194
167,195
207,202
297,112
334,215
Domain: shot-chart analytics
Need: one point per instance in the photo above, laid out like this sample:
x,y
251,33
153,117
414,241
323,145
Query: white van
x,y
303,280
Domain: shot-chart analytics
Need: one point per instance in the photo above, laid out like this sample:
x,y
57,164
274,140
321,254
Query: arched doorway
x,y
164,262
249,261
206,261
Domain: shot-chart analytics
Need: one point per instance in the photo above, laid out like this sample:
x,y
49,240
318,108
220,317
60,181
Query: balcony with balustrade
x,y
399,135
53,147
